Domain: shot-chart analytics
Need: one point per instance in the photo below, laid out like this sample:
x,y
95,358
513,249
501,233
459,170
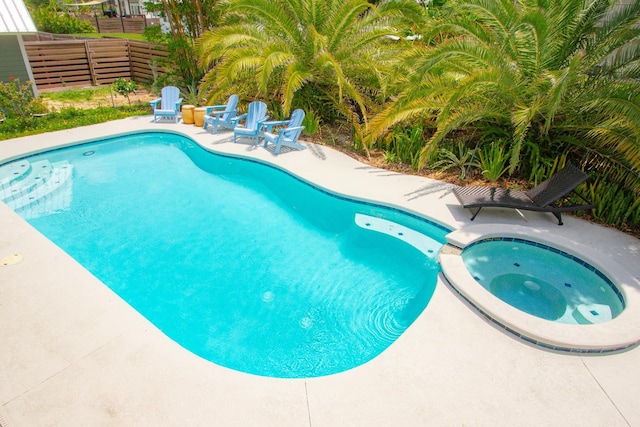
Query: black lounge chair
x,y
542,198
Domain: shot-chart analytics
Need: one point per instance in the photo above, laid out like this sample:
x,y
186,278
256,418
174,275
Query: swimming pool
x,y
237,261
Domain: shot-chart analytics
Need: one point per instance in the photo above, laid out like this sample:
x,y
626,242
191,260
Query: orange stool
x,y
187,114
198,115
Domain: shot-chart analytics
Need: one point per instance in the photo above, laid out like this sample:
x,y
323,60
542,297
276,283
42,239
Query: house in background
x,y
14,22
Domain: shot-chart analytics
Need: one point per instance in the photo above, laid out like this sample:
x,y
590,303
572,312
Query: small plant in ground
x,y
311,123
458,157
406,145
153,66
124,87
493,160
390,157
402,143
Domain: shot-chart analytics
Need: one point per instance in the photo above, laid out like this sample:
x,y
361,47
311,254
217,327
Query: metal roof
x,y
15,18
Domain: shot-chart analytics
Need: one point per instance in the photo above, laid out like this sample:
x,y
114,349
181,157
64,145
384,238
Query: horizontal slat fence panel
x,y
110,25
86,62
128,24
134,25
109,60
144,58
59,63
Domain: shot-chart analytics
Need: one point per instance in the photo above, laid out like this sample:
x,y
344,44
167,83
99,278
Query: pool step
x,y
424,244
36,174
14,172
26,185
592,313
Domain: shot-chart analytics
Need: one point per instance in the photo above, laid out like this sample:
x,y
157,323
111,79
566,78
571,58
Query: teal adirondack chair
x,y
287,136
253,119
169,104
222,115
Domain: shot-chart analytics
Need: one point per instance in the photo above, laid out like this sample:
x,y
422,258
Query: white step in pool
x,y
29,185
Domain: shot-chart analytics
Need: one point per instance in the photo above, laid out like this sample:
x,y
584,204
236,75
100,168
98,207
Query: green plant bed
x,y
67,118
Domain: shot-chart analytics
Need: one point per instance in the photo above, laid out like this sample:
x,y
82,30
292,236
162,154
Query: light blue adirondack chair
x,y
222,115
287,136
169,104
253,119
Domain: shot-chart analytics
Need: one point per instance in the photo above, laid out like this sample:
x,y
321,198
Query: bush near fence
x,y
83,62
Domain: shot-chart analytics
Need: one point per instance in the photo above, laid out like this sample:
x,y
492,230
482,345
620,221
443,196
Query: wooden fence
x,y
128,24
61,63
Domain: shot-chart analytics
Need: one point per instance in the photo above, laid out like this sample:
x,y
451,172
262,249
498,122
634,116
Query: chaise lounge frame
x,y
545,197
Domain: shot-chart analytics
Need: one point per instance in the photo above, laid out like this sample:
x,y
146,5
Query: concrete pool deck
x,y
75,354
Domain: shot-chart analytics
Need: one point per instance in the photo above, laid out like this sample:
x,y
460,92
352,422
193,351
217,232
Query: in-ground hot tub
x,y
554,294
543,281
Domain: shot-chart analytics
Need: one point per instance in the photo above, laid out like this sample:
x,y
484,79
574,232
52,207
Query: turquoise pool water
x,y
240,263
543,281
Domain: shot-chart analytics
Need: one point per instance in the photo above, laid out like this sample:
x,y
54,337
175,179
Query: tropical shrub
x,y
561,74
329,57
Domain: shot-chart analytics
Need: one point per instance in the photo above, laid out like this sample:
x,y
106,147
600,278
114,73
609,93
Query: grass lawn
x,y
75,95
67,118
76,107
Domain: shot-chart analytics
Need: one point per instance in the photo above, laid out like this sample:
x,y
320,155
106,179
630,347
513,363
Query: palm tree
x,y
560,75
326,56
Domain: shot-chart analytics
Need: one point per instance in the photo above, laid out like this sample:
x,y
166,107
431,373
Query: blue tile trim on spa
x,y
574,258
532,340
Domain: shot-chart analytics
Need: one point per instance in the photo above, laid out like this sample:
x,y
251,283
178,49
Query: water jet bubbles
x,y
268,296
306,322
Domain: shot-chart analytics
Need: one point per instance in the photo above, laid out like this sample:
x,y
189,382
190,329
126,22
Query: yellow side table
x,y
198,115
187,114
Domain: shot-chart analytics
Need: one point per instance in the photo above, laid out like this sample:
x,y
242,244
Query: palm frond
x,y
295,77
341,22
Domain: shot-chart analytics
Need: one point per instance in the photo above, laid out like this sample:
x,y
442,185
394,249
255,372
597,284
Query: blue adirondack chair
x,y
169,104
253,119
287,136
222,115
